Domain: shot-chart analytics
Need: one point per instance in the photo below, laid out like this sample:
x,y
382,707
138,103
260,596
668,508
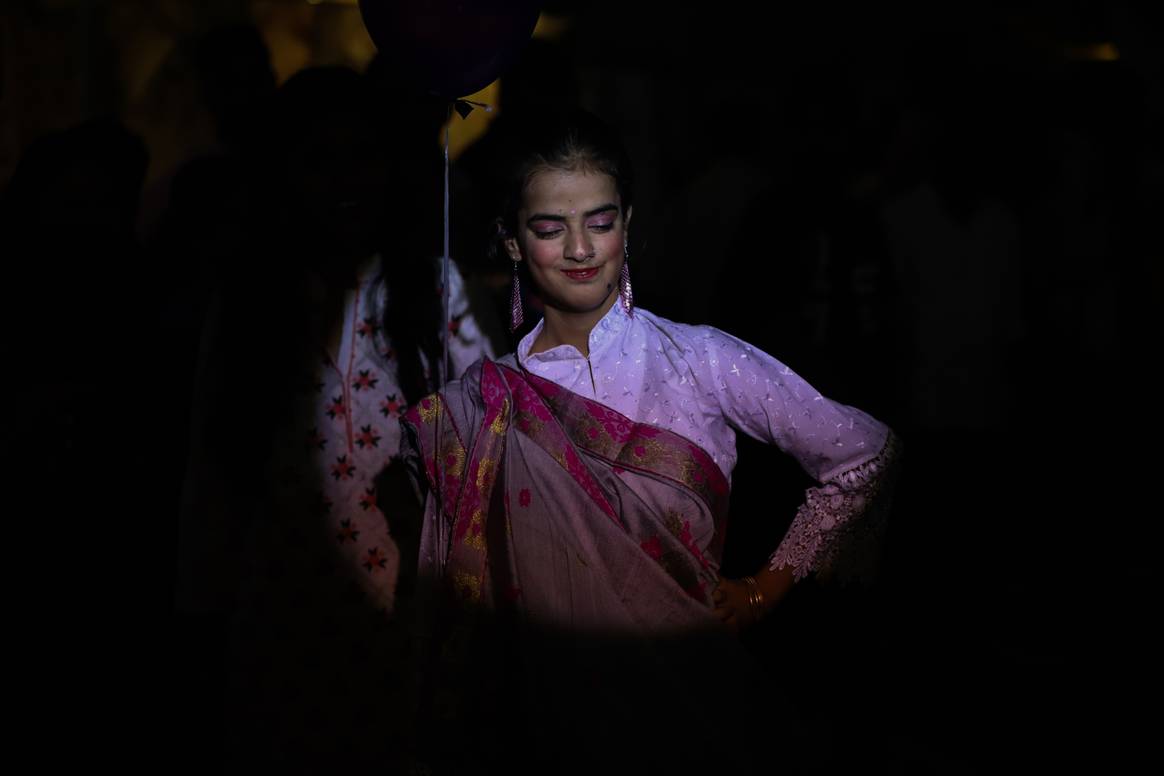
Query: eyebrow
x,y
547,217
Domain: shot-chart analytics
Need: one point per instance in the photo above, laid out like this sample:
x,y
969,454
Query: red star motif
x,y
336,409
367,437
342,469
366,327
368,500
347,532
390,407
365,380
375,561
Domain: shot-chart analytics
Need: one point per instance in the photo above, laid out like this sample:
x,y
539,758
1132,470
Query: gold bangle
x,y
755,597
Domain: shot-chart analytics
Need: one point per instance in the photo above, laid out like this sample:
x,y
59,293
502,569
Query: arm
x,y
734,604
851,455
836,532
397,497
366,547
838,528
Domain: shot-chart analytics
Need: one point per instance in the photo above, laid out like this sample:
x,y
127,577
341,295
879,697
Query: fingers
x,y
727,603
732,616
723,589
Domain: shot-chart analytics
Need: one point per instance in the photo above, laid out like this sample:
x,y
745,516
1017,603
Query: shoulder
x,y
459,400
470,387
700,342
671,334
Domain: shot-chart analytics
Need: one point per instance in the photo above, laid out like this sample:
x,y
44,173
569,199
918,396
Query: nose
x,y
579,247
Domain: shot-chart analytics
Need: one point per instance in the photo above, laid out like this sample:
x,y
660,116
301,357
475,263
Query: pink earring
x,y
624,289
515,312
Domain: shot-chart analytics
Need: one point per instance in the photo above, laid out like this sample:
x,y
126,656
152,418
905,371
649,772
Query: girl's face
x,y
571,232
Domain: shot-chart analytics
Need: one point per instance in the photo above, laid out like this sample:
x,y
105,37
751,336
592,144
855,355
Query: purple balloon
x,y
449,49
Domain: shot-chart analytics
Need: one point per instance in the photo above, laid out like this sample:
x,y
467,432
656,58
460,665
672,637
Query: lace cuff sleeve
x,y
836,532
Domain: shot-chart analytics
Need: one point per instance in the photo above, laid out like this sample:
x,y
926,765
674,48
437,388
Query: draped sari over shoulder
x,y
556,506
604,536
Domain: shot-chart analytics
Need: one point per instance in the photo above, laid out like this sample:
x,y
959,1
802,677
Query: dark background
x,y
946,216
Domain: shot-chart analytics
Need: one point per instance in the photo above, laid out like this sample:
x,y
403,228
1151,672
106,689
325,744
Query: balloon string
x,y
443,372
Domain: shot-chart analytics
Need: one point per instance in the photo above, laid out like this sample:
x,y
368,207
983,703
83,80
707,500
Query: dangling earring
x,y
624,284
515,312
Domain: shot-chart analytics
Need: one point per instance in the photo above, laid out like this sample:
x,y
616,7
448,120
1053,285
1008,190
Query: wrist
x,y
754,596
774,585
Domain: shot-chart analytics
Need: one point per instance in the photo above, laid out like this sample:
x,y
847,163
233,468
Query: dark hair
x,y
576,141
411,317
412,321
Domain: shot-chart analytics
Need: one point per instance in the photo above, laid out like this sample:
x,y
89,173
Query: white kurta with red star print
x,y
346,431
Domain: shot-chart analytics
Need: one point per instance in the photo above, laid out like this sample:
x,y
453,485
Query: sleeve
x,y
383,549
467,342
838,529
854,457
369,550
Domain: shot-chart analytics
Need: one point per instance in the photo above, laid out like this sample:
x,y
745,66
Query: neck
x,y
569,328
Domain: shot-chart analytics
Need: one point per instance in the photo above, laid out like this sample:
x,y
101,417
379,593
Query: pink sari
x,y
600,538
561,508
